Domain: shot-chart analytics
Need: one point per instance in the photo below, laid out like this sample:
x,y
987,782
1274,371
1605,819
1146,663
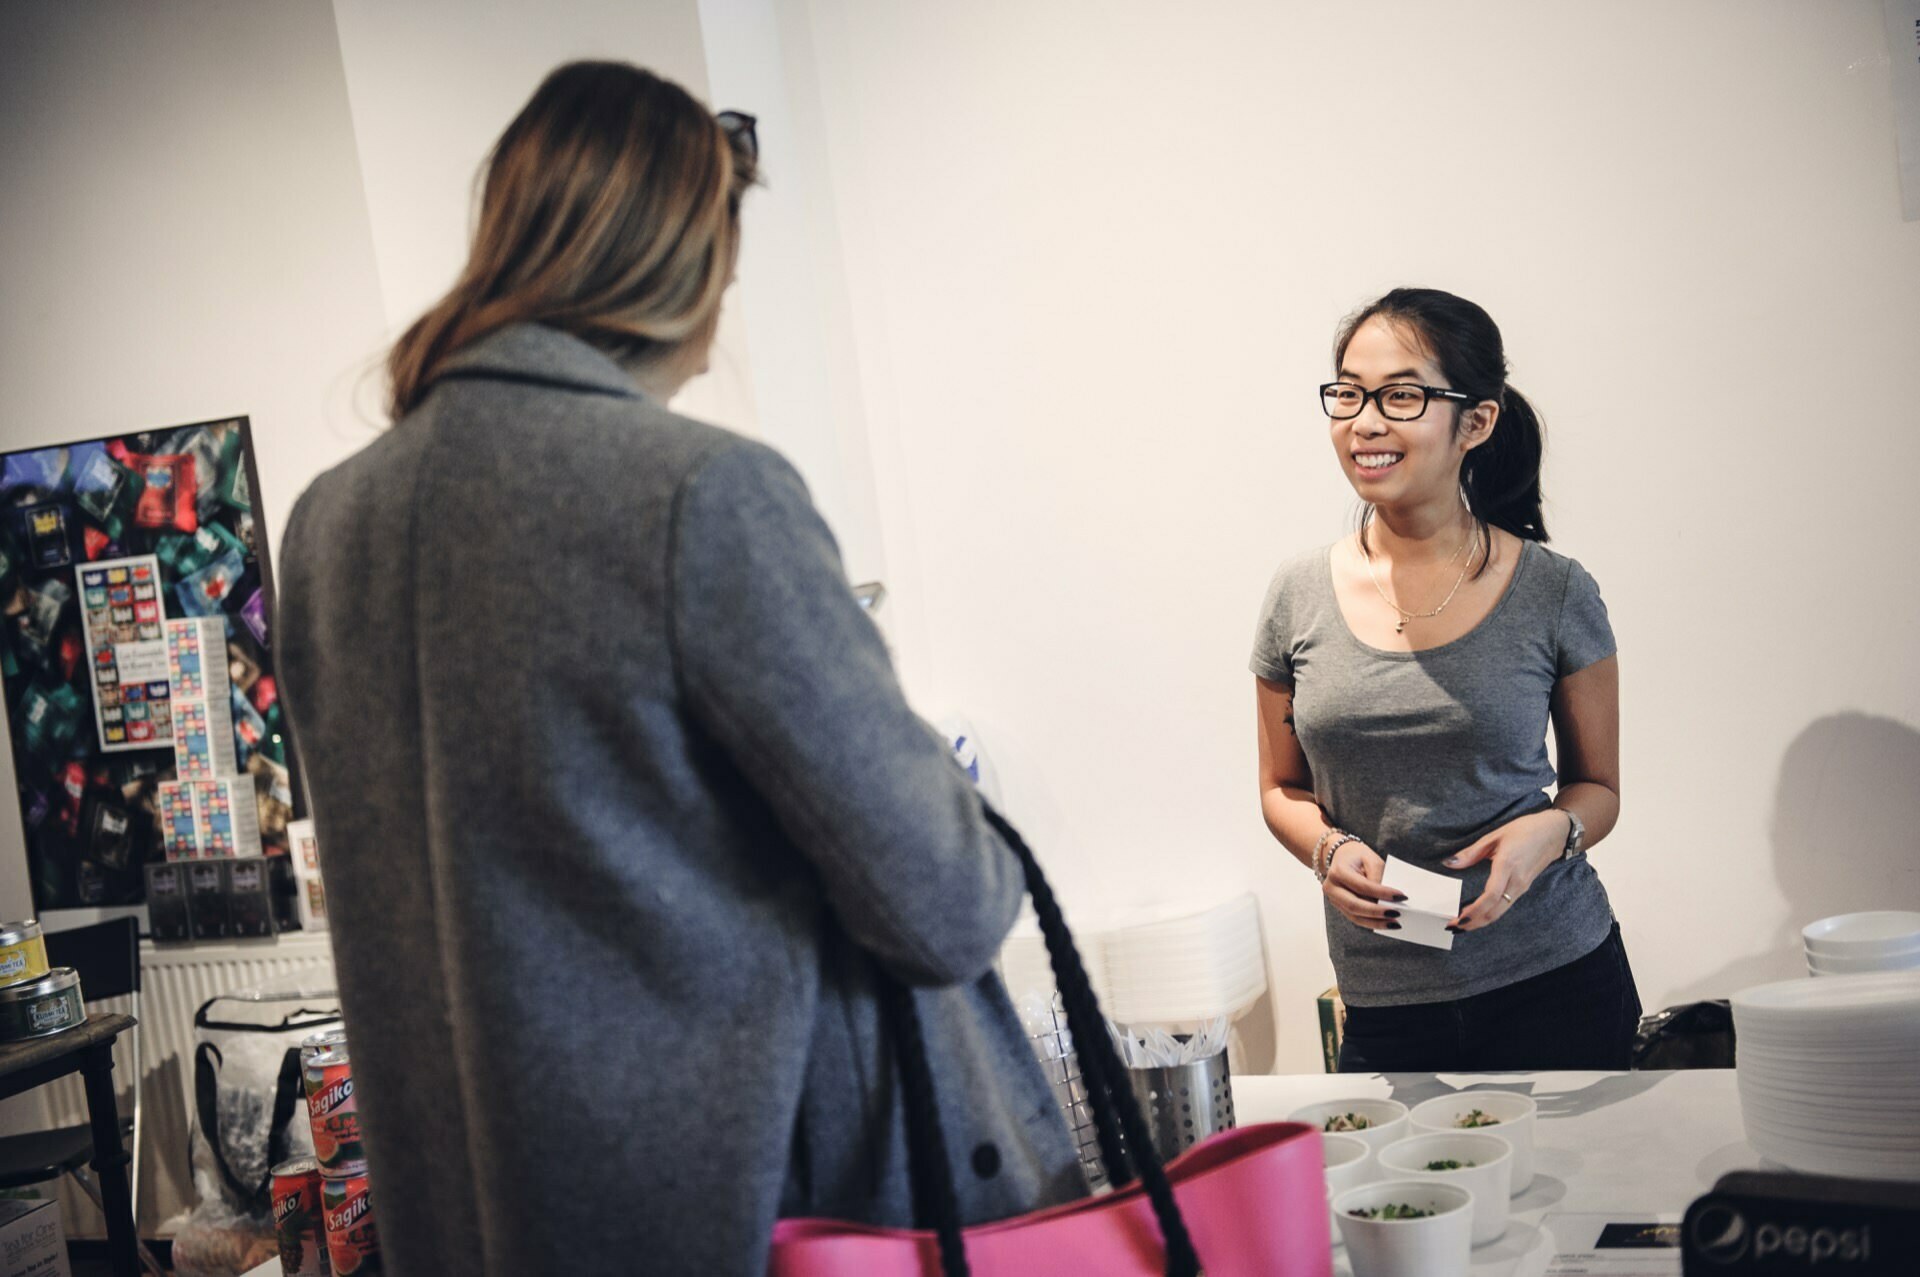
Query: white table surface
x,y
1639,1145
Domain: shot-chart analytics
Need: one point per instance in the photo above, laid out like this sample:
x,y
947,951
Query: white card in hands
x,y
1432,901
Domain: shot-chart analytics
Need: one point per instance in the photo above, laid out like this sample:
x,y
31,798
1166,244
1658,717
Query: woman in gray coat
x,y
623,811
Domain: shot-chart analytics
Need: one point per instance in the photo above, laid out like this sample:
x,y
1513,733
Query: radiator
x,y
175,981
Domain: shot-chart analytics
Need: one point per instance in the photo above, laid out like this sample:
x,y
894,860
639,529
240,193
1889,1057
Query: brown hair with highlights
x,y
610,209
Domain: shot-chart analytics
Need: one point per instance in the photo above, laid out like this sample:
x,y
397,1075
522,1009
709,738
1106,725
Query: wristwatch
x,y
1576,836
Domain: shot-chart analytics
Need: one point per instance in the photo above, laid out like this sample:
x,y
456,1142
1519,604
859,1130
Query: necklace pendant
x,y
1400,628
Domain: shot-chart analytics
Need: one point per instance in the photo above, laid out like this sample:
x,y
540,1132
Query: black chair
x,y
106,956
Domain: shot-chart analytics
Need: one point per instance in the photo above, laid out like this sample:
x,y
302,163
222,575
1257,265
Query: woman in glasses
x,y
1406,679
625,816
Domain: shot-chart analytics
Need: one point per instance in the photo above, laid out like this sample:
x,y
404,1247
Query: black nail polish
x,y
1456,930
1393,913
1399,900
1393,926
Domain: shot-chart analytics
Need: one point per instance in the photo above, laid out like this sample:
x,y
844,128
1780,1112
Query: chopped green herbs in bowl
x,y
1392,1210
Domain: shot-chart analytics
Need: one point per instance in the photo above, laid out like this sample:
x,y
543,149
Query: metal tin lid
x,y
57,980
308,1165
325,1037
15,932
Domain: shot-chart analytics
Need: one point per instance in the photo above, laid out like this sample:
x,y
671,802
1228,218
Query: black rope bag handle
x,y
1109,1094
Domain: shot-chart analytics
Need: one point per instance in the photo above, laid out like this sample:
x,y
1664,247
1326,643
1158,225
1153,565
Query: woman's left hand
x,y
1519,850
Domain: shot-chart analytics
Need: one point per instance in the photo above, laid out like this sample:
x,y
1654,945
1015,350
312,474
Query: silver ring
x,y
1504,896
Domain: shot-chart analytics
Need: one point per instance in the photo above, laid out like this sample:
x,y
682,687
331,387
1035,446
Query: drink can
x,y
327,1072
297,1220
353,1241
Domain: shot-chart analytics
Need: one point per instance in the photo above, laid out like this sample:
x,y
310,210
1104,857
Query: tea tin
x,y
23,952
41,1008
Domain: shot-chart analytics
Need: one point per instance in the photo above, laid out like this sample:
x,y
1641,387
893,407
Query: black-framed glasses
x,y
1397,400
742,130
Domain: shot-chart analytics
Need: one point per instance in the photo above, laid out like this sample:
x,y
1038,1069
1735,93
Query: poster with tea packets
x,y
126,644
94,739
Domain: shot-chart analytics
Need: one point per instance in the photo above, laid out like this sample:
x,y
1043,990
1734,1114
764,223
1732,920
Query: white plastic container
x,y
1486,1171
1436,1245
1515,1114
1349,1163
1387,1119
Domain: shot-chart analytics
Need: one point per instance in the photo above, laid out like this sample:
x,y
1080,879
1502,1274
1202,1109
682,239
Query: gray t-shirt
x,y
1422,753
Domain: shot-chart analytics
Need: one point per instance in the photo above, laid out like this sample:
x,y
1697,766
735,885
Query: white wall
x,y
184,237
1096,252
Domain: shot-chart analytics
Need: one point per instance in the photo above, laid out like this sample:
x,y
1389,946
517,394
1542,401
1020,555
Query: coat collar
x,y
537,353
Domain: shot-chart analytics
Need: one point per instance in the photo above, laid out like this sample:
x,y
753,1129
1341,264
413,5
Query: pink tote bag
x,y
1254,1201
1246,1203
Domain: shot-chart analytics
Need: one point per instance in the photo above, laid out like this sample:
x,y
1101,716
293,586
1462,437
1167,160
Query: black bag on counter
x,y
1694,1035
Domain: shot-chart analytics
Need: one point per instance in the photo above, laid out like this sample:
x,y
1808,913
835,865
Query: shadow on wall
x,y
1846,818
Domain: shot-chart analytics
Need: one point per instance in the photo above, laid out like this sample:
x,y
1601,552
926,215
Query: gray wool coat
x,y
620,806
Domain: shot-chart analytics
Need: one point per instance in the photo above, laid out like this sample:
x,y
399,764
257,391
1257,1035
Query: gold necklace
x,y
1405,615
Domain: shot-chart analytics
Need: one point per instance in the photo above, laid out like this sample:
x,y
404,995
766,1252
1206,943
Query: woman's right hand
x,y
1353,887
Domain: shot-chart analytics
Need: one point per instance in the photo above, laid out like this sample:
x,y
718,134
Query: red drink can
x,y
296,1218
353,1242
335,1116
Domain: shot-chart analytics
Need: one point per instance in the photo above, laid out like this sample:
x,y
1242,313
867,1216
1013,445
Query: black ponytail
x,y
1501,477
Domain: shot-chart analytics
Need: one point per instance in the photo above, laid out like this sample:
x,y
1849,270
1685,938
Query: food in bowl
x,y
1475,1118
1392,1210
1348,1122
1449,1164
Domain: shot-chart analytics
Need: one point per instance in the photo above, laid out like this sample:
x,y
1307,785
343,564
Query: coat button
x,y
986,1161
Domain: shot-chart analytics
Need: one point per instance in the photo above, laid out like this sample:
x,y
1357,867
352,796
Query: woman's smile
x,y
1373,463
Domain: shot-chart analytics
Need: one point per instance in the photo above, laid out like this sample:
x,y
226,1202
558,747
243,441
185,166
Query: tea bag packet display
x,y
207,819
304,848
1432,901
203,743
124,622
168,914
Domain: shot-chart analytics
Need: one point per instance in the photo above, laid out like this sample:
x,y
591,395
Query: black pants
x,y
1580,1016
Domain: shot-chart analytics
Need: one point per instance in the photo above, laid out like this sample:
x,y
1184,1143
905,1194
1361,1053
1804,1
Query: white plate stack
x,y
1859,943
1826,1073
1183,970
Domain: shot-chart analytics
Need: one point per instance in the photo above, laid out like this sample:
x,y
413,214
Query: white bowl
x,y
1487,1172
1818,964
1857,934
1388,1118
1515,1112
1437,1245
1349,1163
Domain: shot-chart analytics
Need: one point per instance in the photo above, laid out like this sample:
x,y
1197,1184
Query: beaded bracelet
x,y
1327,867
1318,847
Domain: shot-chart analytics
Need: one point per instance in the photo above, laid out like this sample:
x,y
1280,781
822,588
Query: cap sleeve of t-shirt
x,y
1273,637
1585,635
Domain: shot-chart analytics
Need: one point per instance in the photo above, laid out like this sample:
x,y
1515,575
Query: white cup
x,y
1386,1120
1514,1117
1486,1171
1436,1245
1349,1163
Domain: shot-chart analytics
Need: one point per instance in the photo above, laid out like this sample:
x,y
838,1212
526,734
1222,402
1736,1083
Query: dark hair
x,y
610,209
1501,477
